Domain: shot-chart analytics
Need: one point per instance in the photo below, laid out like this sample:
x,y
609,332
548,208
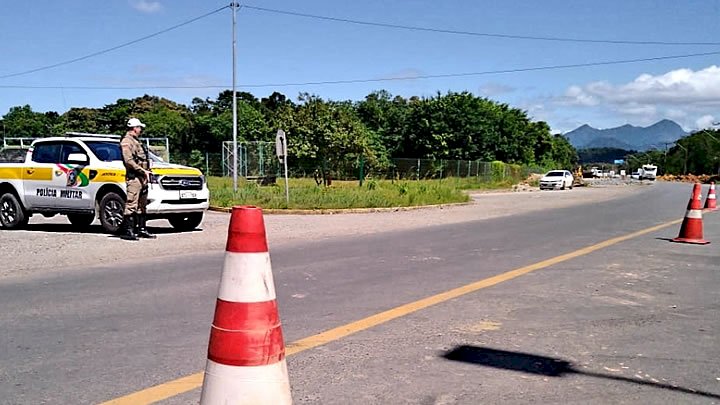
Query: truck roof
x,y
83,137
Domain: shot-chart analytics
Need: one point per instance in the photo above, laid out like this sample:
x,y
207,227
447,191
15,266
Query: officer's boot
x,y
142,230
128,228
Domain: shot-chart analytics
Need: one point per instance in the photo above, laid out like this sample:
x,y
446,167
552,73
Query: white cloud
x,y
495,89
682,94
146,6
706,121
575,95
676,87
403,74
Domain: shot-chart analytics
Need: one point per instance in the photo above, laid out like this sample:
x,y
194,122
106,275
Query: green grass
x,y
305,194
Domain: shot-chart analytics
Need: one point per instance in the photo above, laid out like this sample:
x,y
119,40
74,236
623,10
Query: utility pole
x,y
234,6
686,156
665,158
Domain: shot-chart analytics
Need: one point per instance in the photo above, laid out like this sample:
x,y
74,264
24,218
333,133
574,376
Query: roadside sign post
x,y
281,151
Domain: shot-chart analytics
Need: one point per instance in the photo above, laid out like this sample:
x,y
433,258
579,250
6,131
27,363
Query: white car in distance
x,y
557,179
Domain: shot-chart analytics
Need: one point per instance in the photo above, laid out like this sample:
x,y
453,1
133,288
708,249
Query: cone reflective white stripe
x,y
693,214
246,385
242,274
246,354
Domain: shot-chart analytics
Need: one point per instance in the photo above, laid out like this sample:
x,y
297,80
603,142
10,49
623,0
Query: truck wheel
x,y
112,207
81,220
186,222
12,215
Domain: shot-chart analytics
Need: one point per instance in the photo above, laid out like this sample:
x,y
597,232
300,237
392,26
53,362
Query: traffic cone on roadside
x,y
711,200
691,230
246,355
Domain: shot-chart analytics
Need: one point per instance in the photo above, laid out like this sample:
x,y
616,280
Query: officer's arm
x,y
129,159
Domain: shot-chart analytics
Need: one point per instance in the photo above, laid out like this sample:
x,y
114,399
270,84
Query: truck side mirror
x,y
78,158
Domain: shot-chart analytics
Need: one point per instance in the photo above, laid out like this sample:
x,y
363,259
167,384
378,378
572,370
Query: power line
x,y
67,62
388,79
478,34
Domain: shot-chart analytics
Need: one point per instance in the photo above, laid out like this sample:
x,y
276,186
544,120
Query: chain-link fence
x,y
254,163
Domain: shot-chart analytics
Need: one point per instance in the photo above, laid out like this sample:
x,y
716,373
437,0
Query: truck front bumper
x,y
162,201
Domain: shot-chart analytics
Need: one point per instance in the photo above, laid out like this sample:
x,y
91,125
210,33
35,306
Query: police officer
x,y
137,176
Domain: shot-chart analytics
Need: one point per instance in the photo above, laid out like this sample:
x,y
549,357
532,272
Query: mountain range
x,y
627,137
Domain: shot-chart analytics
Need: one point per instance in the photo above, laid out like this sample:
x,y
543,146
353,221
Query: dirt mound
x,y
529,184
689,178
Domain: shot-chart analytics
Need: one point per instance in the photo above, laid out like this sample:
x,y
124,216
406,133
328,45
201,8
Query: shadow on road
x,y
95,229
547,366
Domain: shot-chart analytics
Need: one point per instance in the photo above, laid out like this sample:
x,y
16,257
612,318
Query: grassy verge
x,y
305,194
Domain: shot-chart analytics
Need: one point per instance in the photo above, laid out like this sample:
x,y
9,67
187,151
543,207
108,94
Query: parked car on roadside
x,y
557,180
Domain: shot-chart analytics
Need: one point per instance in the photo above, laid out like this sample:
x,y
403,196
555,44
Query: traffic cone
x,y
691,230
246,355
711,200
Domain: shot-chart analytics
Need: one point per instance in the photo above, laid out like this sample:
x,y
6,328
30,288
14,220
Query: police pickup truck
x,y
83,176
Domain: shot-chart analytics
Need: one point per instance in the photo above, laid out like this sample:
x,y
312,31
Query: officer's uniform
x,y
136,160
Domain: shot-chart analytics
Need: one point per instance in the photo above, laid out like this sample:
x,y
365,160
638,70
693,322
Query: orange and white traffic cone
x,y
711,200
691,230
246,355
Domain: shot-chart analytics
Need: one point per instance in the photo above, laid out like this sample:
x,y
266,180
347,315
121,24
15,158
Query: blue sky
x,y
274,48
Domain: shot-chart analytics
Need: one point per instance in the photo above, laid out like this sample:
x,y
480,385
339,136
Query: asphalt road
x,y
633,323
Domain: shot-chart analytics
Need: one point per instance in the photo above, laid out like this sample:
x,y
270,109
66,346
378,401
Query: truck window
x,y
67,149
105,151
46,152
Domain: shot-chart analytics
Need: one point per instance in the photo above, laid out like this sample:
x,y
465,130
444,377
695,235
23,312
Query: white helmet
x,y
134,122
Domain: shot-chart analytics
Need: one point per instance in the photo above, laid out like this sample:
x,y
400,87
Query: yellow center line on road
x,y
191,382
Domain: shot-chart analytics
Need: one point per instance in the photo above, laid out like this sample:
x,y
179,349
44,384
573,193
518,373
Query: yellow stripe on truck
x,y
118,176
176,171
10,173
108,176
37,173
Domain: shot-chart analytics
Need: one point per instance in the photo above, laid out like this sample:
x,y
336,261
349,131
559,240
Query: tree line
x,y
697,153
325,133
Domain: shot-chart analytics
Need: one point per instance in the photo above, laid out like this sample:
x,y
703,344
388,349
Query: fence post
x,y
418,170
362,164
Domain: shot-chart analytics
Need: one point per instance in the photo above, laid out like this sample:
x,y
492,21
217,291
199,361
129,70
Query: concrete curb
x,y
274,211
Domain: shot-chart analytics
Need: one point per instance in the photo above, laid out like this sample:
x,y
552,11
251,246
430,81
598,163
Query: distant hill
x,y
627,136
603,155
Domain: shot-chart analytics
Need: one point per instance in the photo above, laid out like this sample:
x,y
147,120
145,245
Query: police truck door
x,y
77,176
42,184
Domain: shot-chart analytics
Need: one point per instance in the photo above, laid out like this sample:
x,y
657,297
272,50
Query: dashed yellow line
x,y
191,382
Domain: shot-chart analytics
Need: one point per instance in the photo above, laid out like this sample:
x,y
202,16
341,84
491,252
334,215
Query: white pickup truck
x,y
647,172
82,176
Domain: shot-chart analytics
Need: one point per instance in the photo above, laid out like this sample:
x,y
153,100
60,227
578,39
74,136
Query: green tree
x,y
329,136
23,122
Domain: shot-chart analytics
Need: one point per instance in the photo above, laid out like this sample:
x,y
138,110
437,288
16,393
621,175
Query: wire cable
x,y
387,79
478,34
67,62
